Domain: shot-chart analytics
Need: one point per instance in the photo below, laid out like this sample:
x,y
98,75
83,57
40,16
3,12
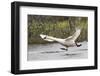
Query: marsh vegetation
x,y
56,26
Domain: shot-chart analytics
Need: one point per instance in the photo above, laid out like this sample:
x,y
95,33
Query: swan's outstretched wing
x,y
75,35
68,38
47,38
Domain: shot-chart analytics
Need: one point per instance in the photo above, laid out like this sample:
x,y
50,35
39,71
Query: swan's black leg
x,y
78,45
64,49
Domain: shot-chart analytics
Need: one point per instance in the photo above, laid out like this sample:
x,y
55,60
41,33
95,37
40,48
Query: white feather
x,y
69,41
45,37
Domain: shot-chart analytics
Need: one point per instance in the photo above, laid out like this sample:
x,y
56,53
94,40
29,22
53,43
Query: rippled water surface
x,y
52,51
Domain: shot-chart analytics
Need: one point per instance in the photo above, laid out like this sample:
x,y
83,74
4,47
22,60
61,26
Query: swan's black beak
x,y
45,37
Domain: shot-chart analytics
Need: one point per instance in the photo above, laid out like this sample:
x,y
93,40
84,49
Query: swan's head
x,y
43,36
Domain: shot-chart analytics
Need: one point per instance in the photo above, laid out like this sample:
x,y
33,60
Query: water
x,y
52,51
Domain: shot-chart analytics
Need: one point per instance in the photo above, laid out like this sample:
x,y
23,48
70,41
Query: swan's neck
x,y
53,38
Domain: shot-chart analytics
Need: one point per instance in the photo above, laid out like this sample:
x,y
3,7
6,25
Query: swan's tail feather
x,y
46,38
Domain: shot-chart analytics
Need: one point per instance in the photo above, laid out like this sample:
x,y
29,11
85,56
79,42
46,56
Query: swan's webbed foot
x,y
78,45
64,49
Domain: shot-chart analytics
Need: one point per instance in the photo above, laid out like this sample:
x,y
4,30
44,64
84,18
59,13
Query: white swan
x,y
67,42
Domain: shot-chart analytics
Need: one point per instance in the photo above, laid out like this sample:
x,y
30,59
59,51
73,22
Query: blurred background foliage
x,y
57,26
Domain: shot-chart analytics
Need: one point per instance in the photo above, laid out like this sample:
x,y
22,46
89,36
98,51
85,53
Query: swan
x,y
67,42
